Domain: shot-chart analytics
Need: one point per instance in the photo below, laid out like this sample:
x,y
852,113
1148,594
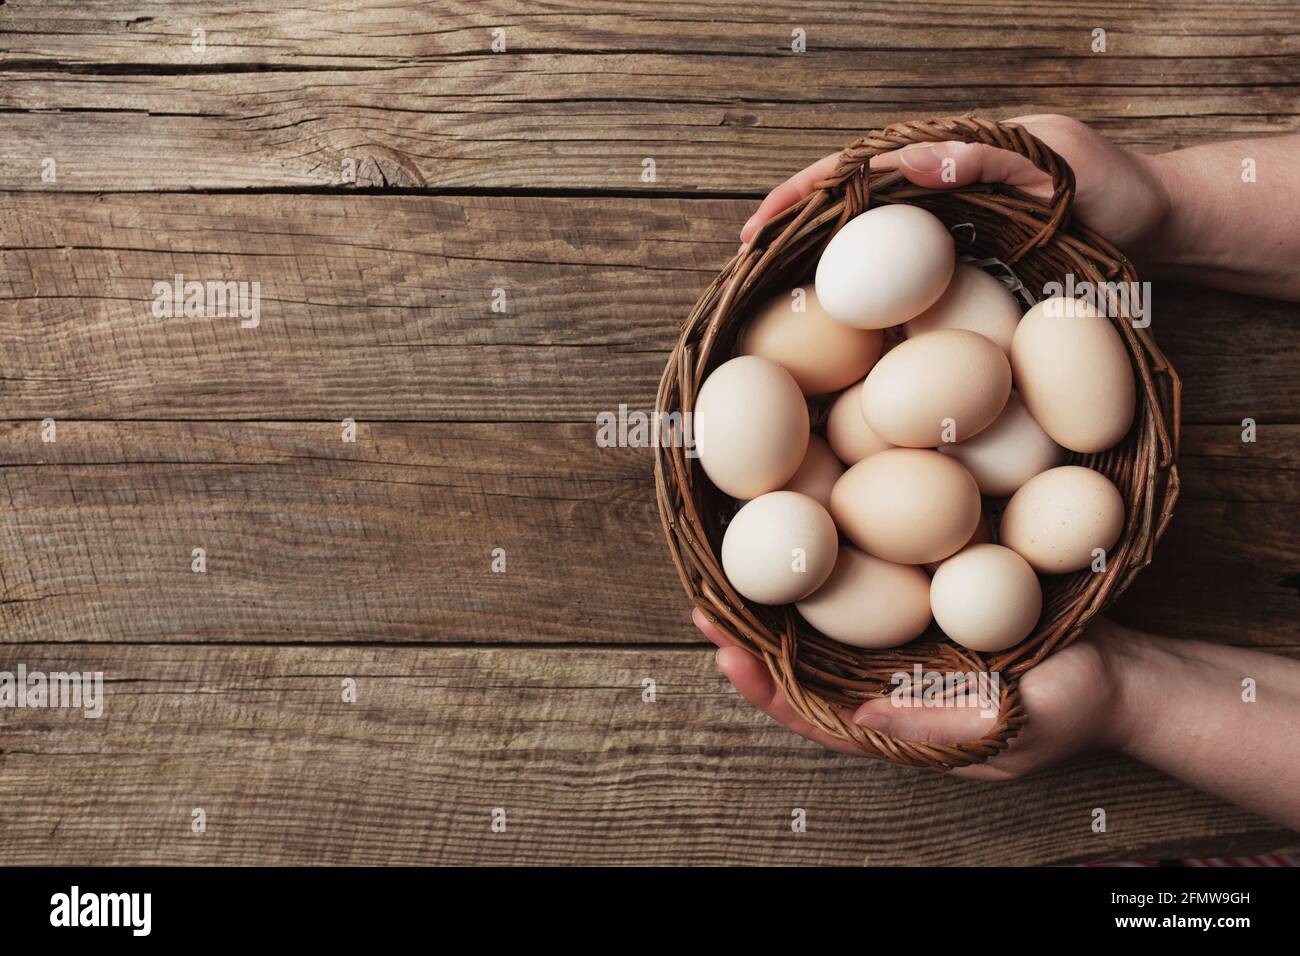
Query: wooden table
x,y
380,171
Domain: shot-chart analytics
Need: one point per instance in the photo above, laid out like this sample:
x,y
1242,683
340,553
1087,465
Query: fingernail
x,y
717,658
877,722
748,223
921,159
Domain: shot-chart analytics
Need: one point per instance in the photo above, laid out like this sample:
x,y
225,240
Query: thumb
x,y
949,164
907,718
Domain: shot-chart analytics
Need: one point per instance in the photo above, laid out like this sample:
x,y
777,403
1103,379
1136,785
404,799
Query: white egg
x,y
986,597
975,301
885,266
850,437
818,473
1009,452
1063,519
1074,374
779,548
750,426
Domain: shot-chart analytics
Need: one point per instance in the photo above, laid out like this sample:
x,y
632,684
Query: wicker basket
x,y
823,678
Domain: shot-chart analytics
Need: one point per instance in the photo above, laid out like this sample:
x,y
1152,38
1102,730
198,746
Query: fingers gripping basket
x,y
824,679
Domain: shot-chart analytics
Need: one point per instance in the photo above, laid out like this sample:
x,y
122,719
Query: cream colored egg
x,y
1057,519
974,301
983,534
939,387
779,548
885,266
1074,374
750,426
870,602
907,505
850,437
823,355
818,473
986,597
1009,452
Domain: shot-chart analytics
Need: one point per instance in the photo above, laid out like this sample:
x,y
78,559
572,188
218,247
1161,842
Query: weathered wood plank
x,y
271,133
380,307
585,770
309,538
341,33
391,538
730,145
413,94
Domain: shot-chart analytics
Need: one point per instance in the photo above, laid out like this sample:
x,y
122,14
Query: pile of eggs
x,y
883,523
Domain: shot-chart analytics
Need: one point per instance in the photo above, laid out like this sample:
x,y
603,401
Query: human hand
x,y
1119,194
1071,701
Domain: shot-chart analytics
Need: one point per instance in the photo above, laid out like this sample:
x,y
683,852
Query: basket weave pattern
x,y
824,679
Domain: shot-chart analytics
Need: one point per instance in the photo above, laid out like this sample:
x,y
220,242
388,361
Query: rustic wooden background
x,y
518,170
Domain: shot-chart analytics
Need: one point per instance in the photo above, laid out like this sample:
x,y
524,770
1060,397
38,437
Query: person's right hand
x,y
1120,194
1072,700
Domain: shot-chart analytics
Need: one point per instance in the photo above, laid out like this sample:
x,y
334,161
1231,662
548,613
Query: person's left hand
x,y
1119,194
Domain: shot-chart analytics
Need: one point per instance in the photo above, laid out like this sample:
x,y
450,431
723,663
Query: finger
x,y
905,719
924,166
711,630
989,770
750,677
789,193
950,164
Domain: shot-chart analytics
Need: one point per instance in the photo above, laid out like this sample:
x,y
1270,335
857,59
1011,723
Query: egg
x,y
750,426
1009,452
983,534
779,548
975,301
986,598
885,266
870,602
1058,518
818,473
907,505
850,437
939,387
1074,374
823,355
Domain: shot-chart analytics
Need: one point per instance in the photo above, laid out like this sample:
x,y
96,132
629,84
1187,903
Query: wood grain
x,y
342,33
369,302
412,95
519,171
286,772
391,538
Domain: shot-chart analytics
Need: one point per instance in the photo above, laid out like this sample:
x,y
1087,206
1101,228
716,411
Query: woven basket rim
x,y
824,679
